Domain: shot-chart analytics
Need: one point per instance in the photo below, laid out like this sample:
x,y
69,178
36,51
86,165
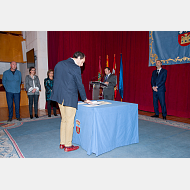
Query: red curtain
x,y
134,46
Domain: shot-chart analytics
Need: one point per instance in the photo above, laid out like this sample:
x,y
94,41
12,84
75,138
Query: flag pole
x,y
121,98
121,78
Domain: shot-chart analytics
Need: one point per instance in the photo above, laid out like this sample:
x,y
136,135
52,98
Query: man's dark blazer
x,y
112,82
67,83
159,80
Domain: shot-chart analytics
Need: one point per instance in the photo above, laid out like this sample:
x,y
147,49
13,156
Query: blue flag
x,y
121,78
171,47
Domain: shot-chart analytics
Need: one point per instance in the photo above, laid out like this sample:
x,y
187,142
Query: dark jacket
x,y
159,80
112,83
67,83
48,84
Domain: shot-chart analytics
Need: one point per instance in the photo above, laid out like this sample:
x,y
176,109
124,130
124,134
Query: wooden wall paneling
x,y
11,48
3,102
23,98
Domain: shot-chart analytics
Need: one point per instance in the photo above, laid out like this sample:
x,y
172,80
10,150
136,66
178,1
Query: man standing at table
x,y
67,83
158,86
109,80
11,82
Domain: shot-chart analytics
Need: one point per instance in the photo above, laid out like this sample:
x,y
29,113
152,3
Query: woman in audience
x,y
32,85
48,83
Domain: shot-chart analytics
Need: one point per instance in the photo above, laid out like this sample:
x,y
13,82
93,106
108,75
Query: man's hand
x,y
106,83
155,88
88,101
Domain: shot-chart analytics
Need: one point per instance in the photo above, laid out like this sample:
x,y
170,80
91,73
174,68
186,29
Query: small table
x,y
101,128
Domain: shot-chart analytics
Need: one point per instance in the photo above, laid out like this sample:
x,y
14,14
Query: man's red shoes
x,y
61,146
71,148
68,149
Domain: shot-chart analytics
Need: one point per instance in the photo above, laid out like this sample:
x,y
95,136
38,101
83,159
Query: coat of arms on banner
x,y
77,126
171,47
184,38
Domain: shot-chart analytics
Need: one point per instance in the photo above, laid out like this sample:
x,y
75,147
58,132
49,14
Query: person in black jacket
x,y
48,84
67,83
158,81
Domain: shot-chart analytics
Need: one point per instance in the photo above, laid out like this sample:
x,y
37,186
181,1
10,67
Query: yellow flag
x,y
107,62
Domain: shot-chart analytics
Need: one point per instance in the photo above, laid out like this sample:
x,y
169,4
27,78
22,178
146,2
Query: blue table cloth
x,y
102,128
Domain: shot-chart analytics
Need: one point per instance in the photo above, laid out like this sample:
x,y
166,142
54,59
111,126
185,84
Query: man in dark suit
x,y
67,83
158,86
109,80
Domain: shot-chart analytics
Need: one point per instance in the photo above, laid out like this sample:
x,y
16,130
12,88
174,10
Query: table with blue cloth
x,y
101,128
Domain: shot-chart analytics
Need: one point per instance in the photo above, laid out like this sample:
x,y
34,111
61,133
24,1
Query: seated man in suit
x,y
110,80
158,86
67,83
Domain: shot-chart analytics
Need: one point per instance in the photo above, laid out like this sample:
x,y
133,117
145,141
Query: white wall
x,y
42,64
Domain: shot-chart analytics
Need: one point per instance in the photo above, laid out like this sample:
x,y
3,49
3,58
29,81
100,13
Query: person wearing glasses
x,y
32,86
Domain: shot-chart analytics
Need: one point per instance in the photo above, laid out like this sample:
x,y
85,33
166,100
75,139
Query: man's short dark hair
x,y
107,68
159,61
78,54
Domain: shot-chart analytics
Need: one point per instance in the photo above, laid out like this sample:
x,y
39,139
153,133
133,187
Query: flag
x,y
107,62
114,66
114,73
121,78
171,47
99,70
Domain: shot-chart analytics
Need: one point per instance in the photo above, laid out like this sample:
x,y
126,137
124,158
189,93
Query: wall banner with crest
x,y
171,47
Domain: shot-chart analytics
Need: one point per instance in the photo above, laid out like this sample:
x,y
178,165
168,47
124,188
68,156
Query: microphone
x,y
94,77
102,76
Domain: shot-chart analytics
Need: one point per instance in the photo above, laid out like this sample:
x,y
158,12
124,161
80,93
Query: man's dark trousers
x,y
16,96
161,97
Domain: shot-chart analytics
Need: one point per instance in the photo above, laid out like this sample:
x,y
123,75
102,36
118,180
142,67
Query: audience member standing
x,y
32,85
48,83
11,82
158,81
